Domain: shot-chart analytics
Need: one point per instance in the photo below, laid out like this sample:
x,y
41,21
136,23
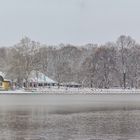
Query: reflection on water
x,y
35,123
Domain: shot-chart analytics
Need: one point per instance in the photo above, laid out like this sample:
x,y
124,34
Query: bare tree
x,y
23,58
124,42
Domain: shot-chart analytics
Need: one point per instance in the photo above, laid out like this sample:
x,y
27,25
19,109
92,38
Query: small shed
x,y
6,84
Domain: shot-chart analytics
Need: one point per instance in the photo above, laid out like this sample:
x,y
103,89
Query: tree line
x,y
112,65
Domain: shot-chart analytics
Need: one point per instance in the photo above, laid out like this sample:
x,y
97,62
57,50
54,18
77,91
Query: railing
x,y
84,91
63,90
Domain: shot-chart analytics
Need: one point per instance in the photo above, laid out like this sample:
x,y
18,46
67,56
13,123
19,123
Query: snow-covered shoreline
x,y
72,91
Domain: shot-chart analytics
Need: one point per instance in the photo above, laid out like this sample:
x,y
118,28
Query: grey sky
x,y
68,21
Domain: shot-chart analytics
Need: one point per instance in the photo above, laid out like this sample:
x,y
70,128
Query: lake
x,y
69,117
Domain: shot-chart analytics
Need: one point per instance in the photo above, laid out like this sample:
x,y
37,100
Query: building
x,y
37,78
4,83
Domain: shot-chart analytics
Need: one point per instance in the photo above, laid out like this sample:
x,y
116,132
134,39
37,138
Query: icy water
x,y
58,117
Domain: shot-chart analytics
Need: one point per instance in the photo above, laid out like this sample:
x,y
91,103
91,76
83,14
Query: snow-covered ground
x,y
14,91
64,90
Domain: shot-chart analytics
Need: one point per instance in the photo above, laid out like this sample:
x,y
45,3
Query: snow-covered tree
x,y
124,43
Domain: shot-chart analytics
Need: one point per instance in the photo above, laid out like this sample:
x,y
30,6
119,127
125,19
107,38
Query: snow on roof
x,y
39,77
7,80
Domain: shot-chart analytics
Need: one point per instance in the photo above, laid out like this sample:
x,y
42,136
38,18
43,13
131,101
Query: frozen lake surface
x,y
70,117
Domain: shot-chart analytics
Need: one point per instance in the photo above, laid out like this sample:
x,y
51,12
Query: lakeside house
x,y
37,78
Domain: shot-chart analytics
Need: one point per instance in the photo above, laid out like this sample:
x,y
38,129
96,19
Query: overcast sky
x,y
68,21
